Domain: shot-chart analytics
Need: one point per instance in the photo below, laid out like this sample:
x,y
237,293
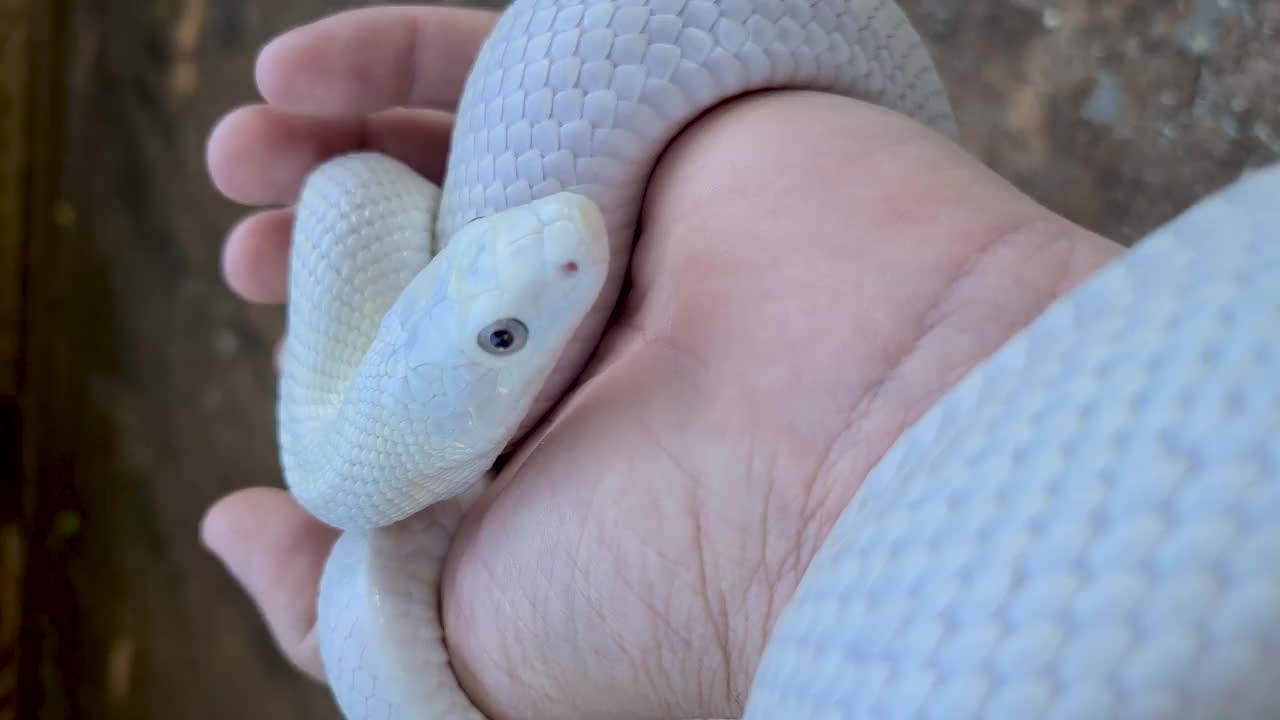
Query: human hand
x,y
814,274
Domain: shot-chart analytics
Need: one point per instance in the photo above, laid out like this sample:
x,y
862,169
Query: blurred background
x,y
135,389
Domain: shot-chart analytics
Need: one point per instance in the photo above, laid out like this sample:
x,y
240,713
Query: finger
x,y
366,60
260,155
276,551
255,258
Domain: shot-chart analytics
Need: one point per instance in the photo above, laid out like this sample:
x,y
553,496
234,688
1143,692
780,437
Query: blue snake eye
x,y
503,337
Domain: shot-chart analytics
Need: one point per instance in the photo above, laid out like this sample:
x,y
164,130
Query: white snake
x,y
1088,526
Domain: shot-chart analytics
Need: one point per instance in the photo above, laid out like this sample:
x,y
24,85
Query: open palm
x,y
813,274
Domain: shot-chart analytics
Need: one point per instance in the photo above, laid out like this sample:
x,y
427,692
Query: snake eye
x,y
503,337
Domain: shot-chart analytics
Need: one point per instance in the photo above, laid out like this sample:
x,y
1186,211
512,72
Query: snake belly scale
x,y
1126,566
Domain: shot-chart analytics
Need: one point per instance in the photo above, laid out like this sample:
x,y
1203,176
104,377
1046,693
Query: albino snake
x,y
1087,526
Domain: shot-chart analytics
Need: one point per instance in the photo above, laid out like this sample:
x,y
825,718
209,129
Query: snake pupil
x,y
503,337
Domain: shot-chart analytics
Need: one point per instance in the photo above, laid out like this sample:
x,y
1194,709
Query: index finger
x,y
363,61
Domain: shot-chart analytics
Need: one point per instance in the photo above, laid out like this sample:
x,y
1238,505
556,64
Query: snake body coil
x,y
1097,537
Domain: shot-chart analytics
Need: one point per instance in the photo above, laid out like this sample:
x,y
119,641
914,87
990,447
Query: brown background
x,y
145,390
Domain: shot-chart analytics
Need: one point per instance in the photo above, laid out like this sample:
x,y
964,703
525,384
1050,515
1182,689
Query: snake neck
x,y
386,449
358,269
392,396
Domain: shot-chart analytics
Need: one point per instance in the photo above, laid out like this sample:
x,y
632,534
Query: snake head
x,y
521,282
468,347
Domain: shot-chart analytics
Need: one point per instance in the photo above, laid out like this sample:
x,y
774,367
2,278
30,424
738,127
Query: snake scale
x,y
1087,526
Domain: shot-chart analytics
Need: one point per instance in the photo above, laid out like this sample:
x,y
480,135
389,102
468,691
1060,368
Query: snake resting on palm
x,y
1087,526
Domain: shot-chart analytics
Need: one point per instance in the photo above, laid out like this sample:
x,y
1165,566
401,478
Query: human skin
x,y
814,273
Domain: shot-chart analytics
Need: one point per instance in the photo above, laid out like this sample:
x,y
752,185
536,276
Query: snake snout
x,y
552,253
574,235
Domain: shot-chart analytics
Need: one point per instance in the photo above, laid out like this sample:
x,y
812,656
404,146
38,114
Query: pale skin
x,y
814,273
